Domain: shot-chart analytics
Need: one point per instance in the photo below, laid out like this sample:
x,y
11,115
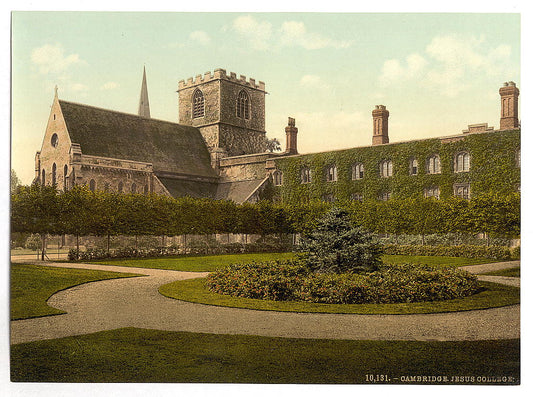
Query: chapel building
x,y
218,150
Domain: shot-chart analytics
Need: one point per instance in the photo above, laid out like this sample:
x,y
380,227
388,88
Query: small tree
x,y
337,245
33,242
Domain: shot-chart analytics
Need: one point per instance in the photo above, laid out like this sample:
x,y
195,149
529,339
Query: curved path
x,y
136,302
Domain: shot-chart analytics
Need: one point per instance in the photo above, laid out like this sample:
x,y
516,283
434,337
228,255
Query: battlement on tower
x,y
220,74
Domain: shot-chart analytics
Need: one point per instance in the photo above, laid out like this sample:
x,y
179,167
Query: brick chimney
x,y
509,115
291,131
381,125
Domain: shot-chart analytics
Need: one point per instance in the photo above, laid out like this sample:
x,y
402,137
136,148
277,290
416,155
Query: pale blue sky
x,y
436,73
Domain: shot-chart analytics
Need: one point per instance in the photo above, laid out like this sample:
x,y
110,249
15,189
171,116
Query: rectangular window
x,y
462,190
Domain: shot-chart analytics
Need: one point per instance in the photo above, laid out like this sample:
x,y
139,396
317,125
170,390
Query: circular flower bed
x,y
284,281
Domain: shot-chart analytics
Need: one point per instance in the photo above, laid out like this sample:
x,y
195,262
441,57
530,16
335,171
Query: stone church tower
x,y
228,111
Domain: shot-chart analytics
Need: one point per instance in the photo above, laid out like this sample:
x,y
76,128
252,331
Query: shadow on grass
x,y
141,355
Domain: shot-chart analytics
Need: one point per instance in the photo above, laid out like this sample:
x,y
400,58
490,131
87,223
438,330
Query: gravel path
x,y
136,302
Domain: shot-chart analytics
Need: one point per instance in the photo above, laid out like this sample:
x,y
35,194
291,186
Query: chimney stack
x,y
509,114
291,131
381,125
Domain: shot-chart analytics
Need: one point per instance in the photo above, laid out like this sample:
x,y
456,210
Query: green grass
x,y
194,290
513,272
195,263
141,355
214,262
32,285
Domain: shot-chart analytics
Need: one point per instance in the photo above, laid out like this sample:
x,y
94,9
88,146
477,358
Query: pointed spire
x,y
144,105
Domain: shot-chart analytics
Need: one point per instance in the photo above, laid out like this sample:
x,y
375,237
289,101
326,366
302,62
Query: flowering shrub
x,y
389,284
464,251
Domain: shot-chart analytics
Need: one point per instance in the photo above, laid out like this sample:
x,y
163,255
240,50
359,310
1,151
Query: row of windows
x,y
433,166
243,105
460,190
92,183
53,177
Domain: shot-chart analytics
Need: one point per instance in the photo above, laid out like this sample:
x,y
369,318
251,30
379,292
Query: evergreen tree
x,y
337,245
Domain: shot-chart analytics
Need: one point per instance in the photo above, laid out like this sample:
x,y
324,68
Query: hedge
x,y
464,251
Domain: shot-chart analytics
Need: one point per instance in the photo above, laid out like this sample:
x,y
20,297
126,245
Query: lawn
x,y
214,262
194,290
32,285
141,355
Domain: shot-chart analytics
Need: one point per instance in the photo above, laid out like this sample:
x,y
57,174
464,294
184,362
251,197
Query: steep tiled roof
x,y
183,188
170,147
237,191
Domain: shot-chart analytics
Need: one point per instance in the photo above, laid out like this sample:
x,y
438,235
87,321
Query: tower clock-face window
x,y
198,104
243,105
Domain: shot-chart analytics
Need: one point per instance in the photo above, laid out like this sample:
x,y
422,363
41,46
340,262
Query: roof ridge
x,y
123,113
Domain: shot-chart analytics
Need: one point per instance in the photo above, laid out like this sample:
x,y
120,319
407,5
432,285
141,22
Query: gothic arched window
x,y
462,162
331,173
145,189
92,185
357,171
385,168
120,187
198,104
65,176
134,188
433,164
277,176
43,178
243,105
54,174
305,175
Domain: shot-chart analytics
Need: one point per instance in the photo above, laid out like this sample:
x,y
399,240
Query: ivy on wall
x,y
493,168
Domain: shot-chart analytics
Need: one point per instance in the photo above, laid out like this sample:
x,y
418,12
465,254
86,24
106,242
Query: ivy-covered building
x,y
481,159
217,150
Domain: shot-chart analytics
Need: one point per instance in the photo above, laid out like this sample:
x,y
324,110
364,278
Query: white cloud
x,y
258,33
52,59
449,63
110,85
262,35
200,37
394,70
295,33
